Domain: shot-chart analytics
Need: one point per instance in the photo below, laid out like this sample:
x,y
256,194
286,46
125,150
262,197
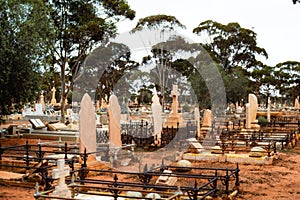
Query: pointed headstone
x,y
53,100
157,115
197,119
114,124
87,125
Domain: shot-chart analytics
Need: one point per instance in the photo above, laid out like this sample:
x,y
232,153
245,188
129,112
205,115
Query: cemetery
x,y
93,107
135,159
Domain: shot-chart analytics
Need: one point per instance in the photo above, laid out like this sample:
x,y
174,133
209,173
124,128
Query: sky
x,y
276,22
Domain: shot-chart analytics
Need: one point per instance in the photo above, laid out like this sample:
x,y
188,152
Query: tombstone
x,y
257,152
39,109
42,102
166,180
114,126
37,123
53,100
194,146
175,117
251,111
207,118
87,126
296,105
197,119
61,190
157,115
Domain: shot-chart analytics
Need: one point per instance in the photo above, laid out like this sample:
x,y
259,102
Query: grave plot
x,y
162,182
32,162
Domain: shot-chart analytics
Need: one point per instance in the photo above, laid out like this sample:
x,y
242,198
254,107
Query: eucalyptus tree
x,y
24,37
288,76
80,26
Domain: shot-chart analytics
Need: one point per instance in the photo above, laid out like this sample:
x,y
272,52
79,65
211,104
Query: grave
x,y
166,179
157,115
174,118
114,122
37,123
61,190
206,124
87,126
53,100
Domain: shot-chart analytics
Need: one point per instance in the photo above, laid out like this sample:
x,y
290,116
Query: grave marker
x,y
61,190
87,126
114,125
53,100
157,115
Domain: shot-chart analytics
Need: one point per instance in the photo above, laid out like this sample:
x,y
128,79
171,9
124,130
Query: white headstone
x,y
251,110
87,125
297,106
114,124
157,115
197,119
61,190
39,109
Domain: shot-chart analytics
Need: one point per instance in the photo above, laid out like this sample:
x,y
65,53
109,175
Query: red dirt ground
x,y
280,181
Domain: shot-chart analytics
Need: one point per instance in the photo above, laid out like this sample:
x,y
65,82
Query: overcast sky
x,y
276,22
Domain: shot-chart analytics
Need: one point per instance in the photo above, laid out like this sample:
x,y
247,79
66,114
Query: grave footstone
x,y
87,126
61,190
114,124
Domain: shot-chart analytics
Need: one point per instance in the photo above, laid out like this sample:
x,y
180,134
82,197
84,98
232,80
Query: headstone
x,y
87,126
61,190
157,115
114,117
184,165
251,111
53,100
297,106
37,123
197,119
207,116
194,146
166,179
42,101
39,109
175,117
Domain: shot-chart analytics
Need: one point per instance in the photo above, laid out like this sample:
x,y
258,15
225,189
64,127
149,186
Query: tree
x,y
231,45
80,26
288,76
25,34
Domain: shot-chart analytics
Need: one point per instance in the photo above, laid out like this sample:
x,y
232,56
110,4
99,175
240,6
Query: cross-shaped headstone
x,y
61,190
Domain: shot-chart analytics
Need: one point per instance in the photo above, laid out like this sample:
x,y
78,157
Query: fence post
x,y
227,182
39,151
66,151
237,177
215,185
1,151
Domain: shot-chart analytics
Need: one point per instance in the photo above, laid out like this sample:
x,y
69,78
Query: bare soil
x,y
258,182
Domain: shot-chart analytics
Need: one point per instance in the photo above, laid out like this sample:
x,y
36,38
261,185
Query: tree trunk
x,y
63,96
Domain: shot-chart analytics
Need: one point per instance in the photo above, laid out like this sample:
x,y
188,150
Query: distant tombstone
x,y
87,125
166,179
207,118
174,118
197,119
114,118
157,115
53,100
296,106
39,109
194,146
251,111
42,102
61,190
